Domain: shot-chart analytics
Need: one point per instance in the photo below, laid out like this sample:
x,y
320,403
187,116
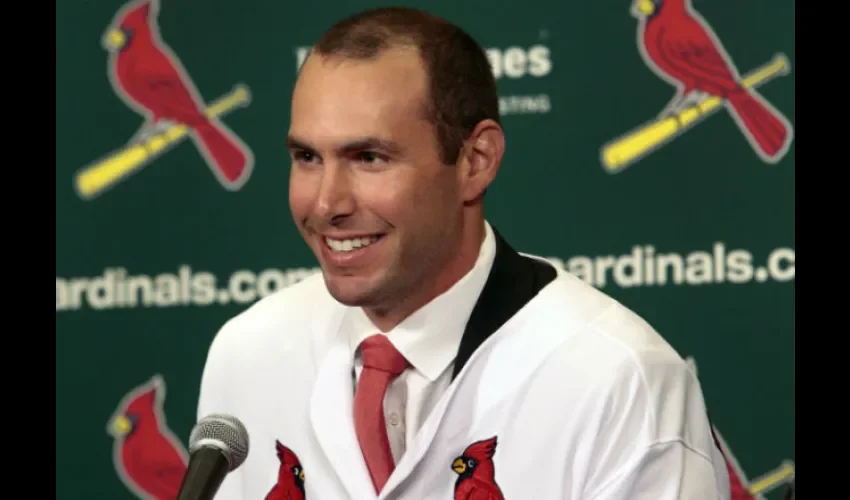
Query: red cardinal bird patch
x,y
476,472
149,78
682,49
147,456
290,476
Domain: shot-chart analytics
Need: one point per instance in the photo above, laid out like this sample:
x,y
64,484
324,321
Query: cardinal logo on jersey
x,y
290,476
149,78
147,456
476,472
681,48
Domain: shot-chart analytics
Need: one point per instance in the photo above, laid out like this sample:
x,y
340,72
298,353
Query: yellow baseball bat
x,y
783,474
627,149
115,167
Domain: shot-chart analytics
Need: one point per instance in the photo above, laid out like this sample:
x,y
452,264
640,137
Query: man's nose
x,y
335,198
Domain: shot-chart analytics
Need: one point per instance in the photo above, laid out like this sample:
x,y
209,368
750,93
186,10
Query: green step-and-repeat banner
x,y
680,205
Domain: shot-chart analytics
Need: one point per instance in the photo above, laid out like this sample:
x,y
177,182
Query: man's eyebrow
x,y
363,144
366,143
296,143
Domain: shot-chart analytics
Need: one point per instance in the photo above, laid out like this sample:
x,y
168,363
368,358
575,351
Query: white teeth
x,y
351,244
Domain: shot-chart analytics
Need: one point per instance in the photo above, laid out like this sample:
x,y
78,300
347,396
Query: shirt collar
x,y
429,338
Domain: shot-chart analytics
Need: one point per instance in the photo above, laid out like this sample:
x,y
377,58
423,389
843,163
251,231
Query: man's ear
x,y
480,159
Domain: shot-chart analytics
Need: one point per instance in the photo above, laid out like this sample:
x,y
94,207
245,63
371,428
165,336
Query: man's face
x,y
367,189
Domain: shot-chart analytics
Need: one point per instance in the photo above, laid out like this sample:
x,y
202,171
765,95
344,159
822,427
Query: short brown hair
x,y
461,83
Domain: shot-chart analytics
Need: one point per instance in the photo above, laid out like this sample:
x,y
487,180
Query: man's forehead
x,y
396,55
398,68
337,97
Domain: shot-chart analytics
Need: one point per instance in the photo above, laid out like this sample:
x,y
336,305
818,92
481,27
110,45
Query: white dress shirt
x,y
429,340
571,376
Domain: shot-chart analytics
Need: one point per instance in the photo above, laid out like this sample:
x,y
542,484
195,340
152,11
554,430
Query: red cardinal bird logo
x,y
740,487
290,477
477,473
680,47
151,80
147,456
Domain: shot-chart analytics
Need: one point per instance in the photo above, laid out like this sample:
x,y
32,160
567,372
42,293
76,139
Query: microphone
x,y
218,444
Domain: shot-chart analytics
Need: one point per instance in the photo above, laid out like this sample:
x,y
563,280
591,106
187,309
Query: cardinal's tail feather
x,y
738,489
223,151
767,131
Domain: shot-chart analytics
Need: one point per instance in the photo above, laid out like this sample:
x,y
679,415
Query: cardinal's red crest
x,y
290,476
148,457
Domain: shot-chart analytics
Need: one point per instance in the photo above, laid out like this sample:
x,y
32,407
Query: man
x,y
789,492
429,359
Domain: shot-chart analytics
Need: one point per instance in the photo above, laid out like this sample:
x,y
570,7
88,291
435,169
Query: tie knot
x,y
379,354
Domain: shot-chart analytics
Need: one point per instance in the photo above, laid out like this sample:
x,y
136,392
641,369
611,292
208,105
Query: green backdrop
x,y
697,235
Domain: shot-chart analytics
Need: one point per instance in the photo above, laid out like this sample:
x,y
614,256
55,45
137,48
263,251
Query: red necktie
x,y
381,364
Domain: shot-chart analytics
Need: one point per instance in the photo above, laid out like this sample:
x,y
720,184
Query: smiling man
x,y
393,220
429,359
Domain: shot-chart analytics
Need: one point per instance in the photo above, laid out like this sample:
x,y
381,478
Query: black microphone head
x,y
224,432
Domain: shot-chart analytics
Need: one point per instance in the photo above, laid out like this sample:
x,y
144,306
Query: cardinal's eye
x,y
471,463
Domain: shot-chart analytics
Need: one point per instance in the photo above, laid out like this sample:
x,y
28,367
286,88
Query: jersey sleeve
x,y
666,471
215,386
657,442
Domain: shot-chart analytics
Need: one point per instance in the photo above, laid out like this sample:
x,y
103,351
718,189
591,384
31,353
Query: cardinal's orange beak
x,y
459,466
114,39
643,8
120,426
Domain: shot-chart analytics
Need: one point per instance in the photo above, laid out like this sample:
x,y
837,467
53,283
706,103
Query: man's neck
x,y
387,318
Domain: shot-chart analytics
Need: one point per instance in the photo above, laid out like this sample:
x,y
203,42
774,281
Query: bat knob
x,y
242,93
783,64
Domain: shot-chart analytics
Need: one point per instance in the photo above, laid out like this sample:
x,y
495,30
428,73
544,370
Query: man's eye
x,y
368,157
303,156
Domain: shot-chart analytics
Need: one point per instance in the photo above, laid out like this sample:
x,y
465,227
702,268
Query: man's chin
x,y
352,291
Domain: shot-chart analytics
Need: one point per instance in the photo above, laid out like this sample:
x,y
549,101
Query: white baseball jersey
x,y
557,392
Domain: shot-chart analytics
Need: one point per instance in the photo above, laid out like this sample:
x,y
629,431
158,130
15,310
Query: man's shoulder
x,y
286,313
618,377
597,321
271,339
614,351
